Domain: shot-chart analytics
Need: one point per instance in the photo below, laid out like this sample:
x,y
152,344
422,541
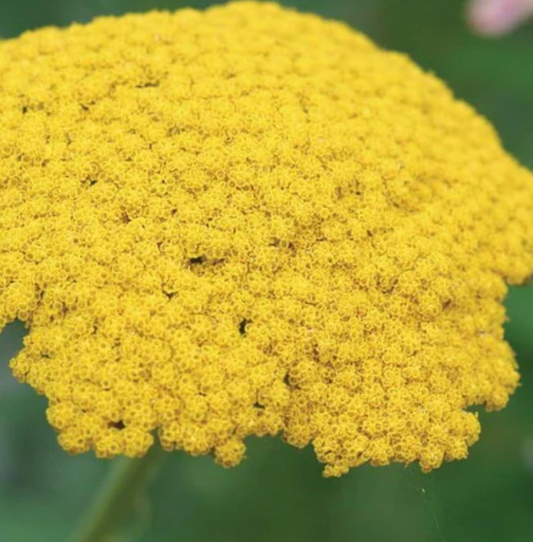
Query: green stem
x,y
115,498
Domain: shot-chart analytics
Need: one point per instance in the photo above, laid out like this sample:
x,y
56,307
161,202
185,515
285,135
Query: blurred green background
x,y
277,494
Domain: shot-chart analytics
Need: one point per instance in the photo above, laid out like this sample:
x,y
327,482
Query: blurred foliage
x,y
278,493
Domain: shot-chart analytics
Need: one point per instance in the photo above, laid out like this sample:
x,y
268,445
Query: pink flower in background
x,y
497,17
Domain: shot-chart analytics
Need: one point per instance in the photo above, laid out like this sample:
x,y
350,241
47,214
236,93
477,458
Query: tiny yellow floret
x,y
251,221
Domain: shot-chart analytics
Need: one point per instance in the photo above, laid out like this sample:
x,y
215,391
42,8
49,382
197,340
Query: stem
x,y
115,498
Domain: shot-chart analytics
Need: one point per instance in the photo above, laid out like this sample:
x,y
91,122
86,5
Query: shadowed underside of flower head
x,y
249,221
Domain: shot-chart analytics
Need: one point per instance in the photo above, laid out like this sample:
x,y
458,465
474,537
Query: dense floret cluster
x,y
250,221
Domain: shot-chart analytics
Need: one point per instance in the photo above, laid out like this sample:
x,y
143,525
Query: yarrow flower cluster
x,y
250,221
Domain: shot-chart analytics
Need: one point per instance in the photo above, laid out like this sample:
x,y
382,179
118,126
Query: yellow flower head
x,y
249,221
